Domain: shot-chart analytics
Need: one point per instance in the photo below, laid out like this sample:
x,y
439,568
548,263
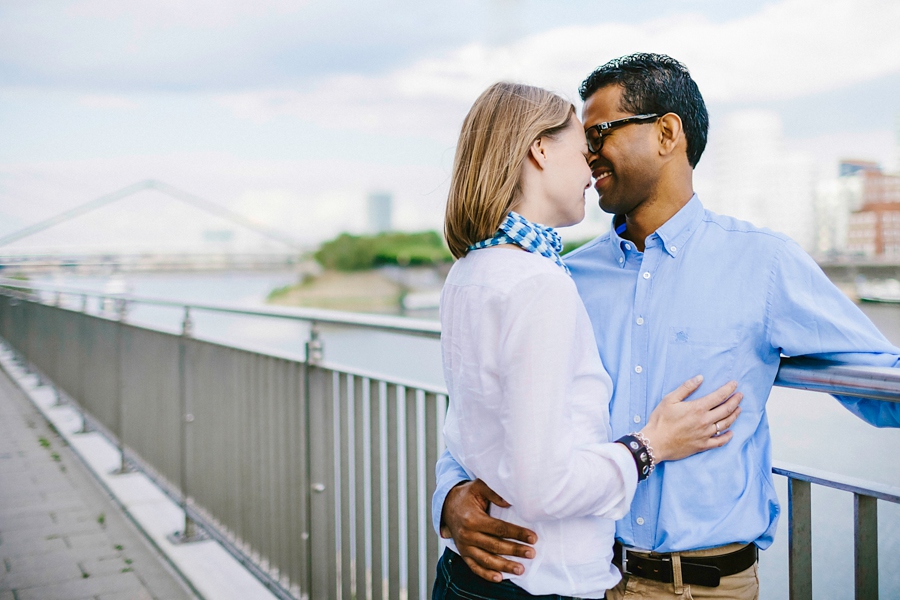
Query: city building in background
x,y
380,212
758,180
874,228
836,199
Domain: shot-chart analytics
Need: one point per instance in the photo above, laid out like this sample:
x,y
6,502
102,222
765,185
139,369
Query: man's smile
x,y
600,175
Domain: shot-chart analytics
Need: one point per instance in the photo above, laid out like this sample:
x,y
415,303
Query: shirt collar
x,y
672,234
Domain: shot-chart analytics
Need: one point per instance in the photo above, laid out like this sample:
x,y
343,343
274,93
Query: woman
x,y
528,393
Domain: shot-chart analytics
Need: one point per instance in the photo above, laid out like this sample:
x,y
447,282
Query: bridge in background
x,y
290,255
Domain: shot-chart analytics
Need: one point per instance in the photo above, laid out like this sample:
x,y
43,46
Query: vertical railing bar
x,y
347,575
394,481
283,463
322,547
261,539
377,493
412,493
865,547
299,434
338,477
238,430
361,499
271,532
421,487
433,410
800,539
282,469
252,449
246,421
263,524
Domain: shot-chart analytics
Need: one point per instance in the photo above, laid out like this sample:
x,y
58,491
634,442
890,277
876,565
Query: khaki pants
x,y
740,586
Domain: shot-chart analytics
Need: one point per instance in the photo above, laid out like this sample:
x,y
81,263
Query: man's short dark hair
x,y
656,83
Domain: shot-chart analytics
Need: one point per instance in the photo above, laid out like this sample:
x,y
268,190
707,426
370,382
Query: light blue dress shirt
x,y
715,296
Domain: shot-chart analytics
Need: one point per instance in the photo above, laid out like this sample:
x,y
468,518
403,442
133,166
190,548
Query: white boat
x,y
885,290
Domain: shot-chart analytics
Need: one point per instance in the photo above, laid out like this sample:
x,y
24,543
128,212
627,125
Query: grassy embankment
x,y
353,277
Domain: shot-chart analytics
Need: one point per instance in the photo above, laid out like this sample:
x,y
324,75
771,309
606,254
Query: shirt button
x,y
621,260
628,246
638,369
640,520
639,320
637,418
646,274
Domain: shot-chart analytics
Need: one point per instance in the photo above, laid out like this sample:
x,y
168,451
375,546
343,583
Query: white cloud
x,y
178,13
787,50
103,102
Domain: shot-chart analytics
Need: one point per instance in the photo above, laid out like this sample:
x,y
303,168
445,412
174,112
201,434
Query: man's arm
x,y
808,316
459,511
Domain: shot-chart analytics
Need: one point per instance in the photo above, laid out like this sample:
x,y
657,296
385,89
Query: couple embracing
x,y
597,442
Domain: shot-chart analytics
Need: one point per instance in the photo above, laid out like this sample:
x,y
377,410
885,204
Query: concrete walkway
x,y
61,536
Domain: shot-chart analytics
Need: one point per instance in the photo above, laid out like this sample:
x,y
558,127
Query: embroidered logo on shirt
x,y
681,336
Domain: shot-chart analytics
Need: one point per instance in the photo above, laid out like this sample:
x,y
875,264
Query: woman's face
x,y
566,175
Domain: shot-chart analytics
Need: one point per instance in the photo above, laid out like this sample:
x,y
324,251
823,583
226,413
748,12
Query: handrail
x,y
879,383
322,316
863,487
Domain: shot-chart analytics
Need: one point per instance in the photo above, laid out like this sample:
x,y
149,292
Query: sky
x,y
292,112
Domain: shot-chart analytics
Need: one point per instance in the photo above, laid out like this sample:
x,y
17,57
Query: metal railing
x,y
318,477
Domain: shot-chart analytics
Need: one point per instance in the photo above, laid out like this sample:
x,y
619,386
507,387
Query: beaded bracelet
x,y
641,451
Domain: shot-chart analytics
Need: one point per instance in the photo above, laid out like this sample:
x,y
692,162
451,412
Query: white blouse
x,y
529,414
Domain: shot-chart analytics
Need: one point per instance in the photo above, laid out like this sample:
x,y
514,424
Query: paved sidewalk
x,y
61,536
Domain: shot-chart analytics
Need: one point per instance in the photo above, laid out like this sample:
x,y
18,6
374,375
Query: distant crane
x,y
165,188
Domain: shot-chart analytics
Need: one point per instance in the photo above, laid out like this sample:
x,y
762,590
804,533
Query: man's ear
x,y
538,152
670,133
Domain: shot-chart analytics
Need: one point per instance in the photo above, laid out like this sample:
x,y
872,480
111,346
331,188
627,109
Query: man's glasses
x,y
595,133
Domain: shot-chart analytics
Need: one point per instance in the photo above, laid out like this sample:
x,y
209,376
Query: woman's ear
x,y
670,133
538,152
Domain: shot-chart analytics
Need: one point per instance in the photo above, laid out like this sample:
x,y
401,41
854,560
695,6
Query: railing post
x,y
190,533
320,540
865,547
315,349
79,392
800,539
124,467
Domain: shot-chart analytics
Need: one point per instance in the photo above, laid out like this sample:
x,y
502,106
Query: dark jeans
x,y
456,581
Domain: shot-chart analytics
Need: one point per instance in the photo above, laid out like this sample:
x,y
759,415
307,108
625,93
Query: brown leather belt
x,y
695,570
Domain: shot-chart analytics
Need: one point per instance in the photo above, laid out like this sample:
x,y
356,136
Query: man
x,y
674,291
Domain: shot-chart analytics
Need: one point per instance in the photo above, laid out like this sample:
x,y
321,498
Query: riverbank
x,y
386,290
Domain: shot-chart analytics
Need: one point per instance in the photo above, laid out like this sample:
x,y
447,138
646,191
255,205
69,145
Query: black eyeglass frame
x,y
603,128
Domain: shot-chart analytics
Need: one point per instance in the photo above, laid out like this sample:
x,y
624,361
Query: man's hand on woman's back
x,y
480,538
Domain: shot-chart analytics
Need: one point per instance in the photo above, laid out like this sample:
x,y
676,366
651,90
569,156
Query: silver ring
x,y
717,428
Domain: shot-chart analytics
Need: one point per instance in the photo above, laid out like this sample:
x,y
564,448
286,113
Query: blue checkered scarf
x,y
516,229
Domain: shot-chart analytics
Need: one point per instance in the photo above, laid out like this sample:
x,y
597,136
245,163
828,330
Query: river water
x,y
808,429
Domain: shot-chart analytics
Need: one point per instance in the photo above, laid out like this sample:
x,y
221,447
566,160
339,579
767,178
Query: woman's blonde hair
x,y
494,142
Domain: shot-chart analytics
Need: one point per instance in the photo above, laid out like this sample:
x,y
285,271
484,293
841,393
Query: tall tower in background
x,y
380,212
758,180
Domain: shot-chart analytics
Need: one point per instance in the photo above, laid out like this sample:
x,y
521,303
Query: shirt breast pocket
x,y
706,351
